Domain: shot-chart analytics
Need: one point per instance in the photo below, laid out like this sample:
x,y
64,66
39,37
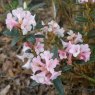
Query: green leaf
x,y
11,33
39,25
81,19
91,34
58,85
66,68
15,40
92,14
31,38
39,36
35,7
55,52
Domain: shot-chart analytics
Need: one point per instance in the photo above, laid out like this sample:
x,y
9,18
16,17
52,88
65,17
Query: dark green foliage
x,y
15,40
14,34
11,33
39,36
55,52
31,38
66,68
57,82
58,85
39,25
81,19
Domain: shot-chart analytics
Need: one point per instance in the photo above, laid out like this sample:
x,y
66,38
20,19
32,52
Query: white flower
x,y
78,38
60,32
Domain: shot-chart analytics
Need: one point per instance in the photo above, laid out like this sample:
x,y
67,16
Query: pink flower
x,y
21,19
51,64
44,69
46,55
74,38
84,53
28,22
39,47
19,14
10,21
25,26
78,38
53,27
74,50
41,78
62,54
64,44
28,44
37,64
39,39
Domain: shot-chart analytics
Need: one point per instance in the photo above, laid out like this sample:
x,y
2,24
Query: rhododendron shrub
x,y
47,48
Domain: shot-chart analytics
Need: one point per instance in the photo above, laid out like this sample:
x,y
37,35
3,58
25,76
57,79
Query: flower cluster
x,y
43,66
74,48
40,60
79,51
52,26
21,19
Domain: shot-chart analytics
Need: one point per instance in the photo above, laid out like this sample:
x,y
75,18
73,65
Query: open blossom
x,y
53,27
46,55
74,50
19,14
84,52
74,38
39,46
64,44
78,38
28,22
10,21
21,19
62,54
69,51
60,32
44,69
41,78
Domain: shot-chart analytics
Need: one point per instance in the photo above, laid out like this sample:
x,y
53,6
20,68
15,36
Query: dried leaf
x,y
5,90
